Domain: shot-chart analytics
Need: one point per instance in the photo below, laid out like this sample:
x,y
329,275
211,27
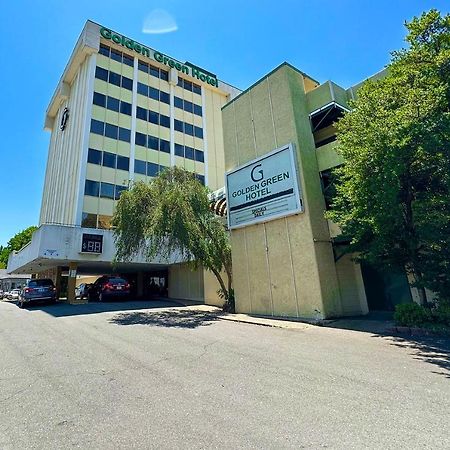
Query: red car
x,y
107,287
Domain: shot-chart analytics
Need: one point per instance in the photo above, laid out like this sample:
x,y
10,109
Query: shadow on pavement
x,y
376,322
181,318
64,309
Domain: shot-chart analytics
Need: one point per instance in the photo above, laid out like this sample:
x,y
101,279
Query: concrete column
x,y
71,283
58,282
140,284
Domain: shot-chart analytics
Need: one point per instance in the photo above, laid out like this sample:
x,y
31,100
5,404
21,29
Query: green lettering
x,y
185,69
129,44
115,38
171,63
158,57
146,52
202,77
137,47
178,66
105,33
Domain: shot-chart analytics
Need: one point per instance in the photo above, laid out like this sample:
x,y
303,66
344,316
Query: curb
x,y
414,331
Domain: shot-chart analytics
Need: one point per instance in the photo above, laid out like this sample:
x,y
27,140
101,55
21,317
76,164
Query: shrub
x,y
441,314
411,315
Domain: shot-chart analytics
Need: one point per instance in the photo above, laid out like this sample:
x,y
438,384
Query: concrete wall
x,y
185,283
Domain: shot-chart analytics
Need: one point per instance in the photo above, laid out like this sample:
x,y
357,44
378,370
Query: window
x,y
188,152
111,131
101,74
199,156
128,60
164,97
112,104
198,110
124,134
94,156
92,188
153,93
152,169
104,50
187,85
123,163
179,125
164,75
153,142
188,106
198,132
141,113
125,108
154,71
142,89
164,146
179,150
127,83
107,190
97,127
178,102
200,178
119,190
99,99
153,117
164,121
196,89
143,66
109,160
140,166
116,55
141,139
89,220
114,78
189,129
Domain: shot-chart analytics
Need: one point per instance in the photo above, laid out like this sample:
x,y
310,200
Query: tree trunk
x,y
422,297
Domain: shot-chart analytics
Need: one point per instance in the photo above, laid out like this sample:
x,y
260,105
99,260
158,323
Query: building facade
x,y
121,112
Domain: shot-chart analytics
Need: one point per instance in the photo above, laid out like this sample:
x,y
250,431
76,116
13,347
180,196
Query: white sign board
x,y
263,189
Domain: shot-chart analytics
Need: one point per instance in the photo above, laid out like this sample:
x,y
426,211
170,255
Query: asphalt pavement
x,y
140,375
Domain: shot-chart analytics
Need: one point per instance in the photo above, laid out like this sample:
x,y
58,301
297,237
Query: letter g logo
x,y
252,173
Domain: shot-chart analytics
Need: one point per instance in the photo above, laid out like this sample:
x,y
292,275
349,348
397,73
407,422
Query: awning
x,y
218,202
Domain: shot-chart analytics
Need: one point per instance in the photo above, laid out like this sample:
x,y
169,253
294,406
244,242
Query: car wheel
x,y
20,304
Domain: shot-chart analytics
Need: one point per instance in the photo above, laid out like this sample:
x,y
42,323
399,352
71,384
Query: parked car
x,y
82,291
109,286
39,290
14,294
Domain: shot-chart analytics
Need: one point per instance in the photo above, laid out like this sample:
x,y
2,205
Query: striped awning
x,y
218,202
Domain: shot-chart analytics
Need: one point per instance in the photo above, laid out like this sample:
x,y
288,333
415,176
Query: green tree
x,y
16,243
393,192
171,215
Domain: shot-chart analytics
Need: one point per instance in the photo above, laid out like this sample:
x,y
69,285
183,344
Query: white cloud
x,y
159,21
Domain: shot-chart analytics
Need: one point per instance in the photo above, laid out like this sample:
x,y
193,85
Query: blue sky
x,y
342,40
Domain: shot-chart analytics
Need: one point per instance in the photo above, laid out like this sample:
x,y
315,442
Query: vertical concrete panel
x,y
241,277
244,129
230,138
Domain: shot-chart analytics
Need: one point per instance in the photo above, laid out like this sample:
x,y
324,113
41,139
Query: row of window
x,y
188,128
102,189
108,159
152,142
111,131
189,86
116,55
96,221
189,153
112,103
147,168
188,106
153,117
153,70
153,93
114,78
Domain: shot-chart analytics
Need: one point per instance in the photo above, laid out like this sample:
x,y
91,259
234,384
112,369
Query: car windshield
x,y
117,281
40,283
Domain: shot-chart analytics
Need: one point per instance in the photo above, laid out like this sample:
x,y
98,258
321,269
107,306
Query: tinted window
x,y
119,190
153,142
140,166
196,89
141,113
142,89
128,60
123,163
164,97
179,125
188,152
201,178
101,74
187,85
189,129
94,156
152,169
112,104
141,139
92,188
106,190
124,134
153,117
179,150
114,78
178,102
154,71
117,280
109,159
199,156
127,83
104,50
153,93
180,82
188,106
42,283
164,75
164,121
164,146
197,110
97,127
111,130
116,55
143,66
99,99
125,108
198,132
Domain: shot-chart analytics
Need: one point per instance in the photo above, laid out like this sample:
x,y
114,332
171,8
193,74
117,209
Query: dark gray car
x,y
42,290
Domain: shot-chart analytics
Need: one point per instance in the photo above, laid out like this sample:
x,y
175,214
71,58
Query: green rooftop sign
x,y
188,69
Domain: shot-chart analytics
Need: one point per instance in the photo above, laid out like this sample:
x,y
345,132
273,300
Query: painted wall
x,y
185,283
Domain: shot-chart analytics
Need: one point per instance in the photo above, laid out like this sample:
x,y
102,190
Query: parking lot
x,y
158,375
